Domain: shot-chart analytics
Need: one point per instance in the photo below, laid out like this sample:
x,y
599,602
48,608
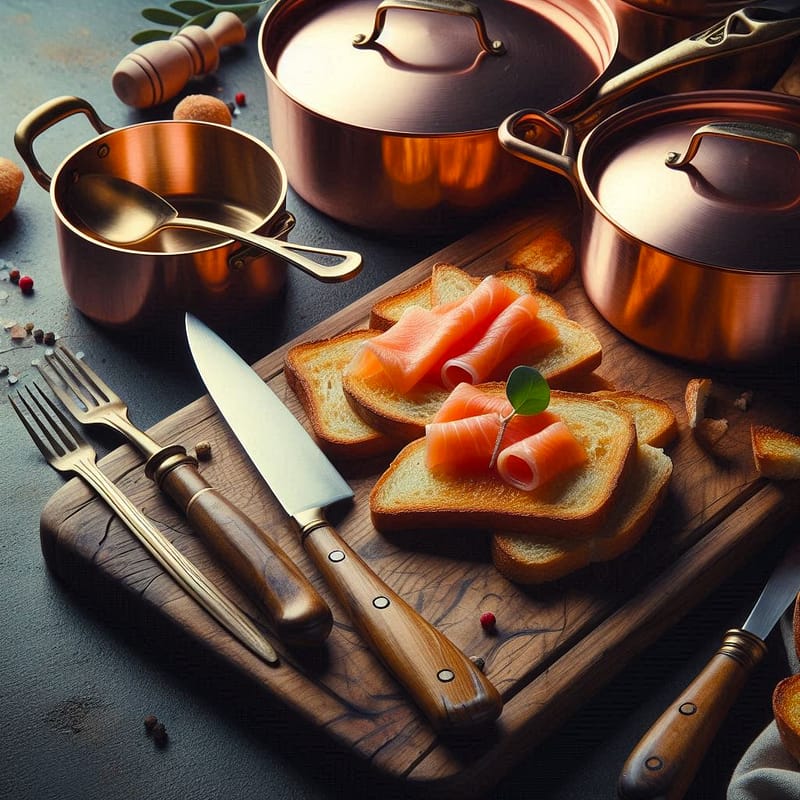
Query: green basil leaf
x,y
145,37
527,390
163,17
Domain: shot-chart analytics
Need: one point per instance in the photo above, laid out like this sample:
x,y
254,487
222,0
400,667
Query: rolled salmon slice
x,y
535,460
517,326
424,338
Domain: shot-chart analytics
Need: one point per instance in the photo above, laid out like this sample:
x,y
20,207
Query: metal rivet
x,y
445,675
102,151
381,602
654,763
336,556
687,709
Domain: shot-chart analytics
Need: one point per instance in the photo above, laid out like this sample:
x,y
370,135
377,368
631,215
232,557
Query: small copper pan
x,y
691,222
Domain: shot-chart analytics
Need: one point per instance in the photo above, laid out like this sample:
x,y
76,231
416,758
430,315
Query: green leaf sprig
x,y
529,393
182,13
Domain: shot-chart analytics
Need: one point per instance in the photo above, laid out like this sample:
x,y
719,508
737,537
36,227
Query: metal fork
x,y
296,611
67,452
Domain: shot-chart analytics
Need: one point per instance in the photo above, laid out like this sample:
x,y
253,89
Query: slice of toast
x,y
575,505
656,423
314,371
528,558
576,353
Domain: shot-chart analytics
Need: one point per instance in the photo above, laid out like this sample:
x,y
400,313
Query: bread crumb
x,y
204,108
744,401
550,256
11,178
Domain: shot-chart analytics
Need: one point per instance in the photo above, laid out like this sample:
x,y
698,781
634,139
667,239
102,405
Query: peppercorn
x,y
241,99
38,335
160,734
50,338
488,621
150,722
26,284
13,276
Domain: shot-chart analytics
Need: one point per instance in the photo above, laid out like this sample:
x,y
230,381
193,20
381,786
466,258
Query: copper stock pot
x,y
385,114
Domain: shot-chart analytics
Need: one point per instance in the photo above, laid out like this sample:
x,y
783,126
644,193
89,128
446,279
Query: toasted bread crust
x,y
786,709
656,423
550,258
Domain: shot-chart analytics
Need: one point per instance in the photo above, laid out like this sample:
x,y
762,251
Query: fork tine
x,y
78,388
53,425
17,401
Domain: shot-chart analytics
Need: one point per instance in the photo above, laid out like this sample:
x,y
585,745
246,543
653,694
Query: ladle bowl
x,y
122,212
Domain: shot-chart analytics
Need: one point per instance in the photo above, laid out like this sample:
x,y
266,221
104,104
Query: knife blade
x,y
446,685
664,762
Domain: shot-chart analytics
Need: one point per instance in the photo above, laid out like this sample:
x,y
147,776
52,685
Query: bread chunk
x,y
776,453
550,258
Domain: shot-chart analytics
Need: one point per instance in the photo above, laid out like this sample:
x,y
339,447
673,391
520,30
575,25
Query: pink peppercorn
x,y
488,621
26,284
241,99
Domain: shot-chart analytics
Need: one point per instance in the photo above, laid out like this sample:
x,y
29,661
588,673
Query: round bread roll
x,y
203,107
11,177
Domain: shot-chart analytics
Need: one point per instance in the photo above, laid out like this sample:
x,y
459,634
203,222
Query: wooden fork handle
x,y
297,613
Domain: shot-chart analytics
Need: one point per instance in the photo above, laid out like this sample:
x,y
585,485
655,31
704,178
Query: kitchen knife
x,y
447,686
665,761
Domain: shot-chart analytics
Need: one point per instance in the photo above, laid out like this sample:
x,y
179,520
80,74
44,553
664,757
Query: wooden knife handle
x,y
297,613
665,761
449,688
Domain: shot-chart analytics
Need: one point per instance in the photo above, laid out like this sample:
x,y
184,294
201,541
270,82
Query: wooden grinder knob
x,y
156,72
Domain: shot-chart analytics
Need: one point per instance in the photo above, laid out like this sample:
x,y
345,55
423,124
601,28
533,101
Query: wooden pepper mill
x,y
156,72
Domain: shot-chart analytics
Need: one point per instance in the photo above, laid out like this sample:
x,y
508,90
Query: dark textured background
x,y
76,680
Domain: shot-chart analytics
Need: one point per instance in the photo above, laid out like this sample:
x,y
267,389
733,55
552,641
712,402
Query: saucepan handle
x,y
454,7
527,134
45,116
746,28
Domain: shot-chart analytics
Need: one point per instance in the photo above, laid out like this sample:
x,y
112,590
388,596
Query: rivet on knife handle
x,y
666,760
449,688
298,614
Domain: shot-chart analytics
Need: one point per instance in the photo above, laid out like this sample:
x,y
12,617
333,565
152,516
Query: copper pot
x,y
213,170
691,222
385,115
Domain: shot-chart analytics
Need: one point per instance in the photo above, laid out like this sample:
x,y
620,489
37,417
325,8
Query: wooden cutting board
x,y
554,645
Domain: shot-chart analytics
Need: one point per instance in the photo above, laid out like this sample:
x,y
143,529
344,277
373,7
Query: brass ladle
x,y
122,212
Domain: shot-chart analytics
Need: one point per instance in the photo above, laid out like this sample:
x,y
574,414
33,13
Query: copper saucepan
x,y
385,115
210,171
691,221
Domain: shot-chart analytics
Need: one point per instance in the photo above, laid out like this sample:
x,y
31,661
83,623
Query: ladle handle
x,y
349,264
43,117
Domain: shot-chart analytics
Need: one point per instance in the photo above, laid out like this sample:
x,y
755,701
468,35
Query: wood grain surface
x,y
554,645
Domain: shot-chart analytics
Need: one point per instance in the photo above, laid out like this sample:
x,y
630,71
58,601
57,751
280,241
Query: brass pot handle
x,y
744,131
45,116
460,8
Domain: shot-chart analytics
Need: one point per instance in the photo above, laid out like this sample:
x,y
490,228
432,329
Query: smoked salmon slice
x,y
516,325
424,338
537,459
463,433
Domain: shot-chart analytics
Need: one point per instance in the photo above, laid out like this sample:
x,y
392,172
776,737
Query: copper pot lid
x,y
434,66
711,10
710,177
